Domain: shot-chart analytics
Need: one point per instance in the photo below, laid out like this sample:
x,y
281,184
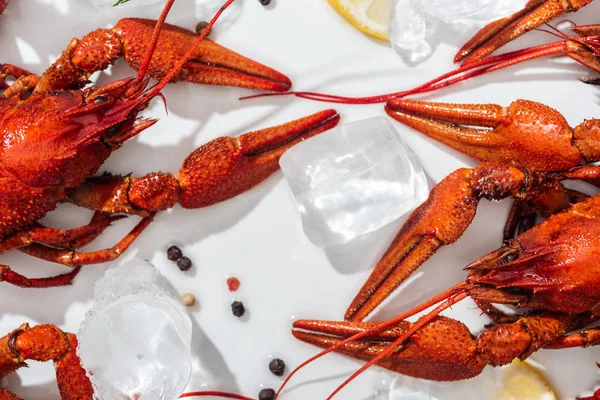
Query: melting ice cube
x,y
353,180
415,24
135,341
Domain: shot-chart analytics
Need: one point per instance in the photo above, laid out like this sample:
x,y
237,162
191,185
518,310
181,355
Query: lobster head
x,y
58,139
553,266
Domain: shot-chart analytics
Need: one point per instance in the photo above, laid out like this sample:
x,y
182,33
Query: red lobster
x,y
55,136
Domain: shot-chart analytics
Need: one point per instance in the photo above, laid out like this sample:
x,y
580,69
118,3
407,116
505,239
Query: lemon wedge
x,y
523,382
369,16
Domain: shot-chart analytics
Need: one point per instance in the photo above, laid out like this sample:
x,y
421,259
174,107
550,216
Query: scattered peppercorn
x,y
188,299
233,284
238,309
265,2
184,263
277,366
174,253
266,394
200,26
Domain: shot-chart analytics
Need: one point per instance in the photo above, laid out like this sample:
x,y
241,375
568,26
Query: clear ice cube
x,y
414,23
135,341
353,180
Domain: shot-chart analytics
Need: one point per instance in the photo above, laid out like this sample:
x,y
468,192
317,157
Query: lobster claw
x,y
211,63
226,167
433,224
536,135
496,34
442,350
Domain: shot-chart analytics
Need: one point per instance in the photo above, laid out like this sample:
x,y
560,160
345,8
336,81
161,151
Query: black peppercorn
x,y
200,26
174,253
277,366
238,309
265,2
184,263
266,394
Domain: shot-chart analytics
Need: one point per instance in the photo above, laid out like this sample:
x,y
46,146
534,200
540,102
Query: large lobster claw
x,y
442,350
131,38
216,171
535,135
211,64
498,33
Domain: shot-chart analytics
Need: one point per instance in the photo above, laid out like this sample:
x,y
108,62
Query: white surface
x,y
352,180
258,236
108,4
415,25
136,339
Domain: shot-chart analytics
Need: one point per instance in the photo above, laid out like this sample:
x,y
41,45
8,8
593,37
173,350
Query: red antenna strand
x,y
216,394
155,35
468,71
179,65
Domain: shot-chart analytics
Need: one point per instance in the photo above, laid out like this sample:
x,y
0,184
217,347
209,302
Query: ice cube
x,y
135,341
414,23
353,180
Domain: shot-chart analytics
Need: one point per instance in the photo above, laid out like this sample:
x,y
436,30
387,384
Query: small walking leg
x,y
73,258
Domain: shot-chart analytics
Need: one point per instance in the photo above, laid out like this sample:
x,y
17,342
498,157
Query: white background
x,y
258,236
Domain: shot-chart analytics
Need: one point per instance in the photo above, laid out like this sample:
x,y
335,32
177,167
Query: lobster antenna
x,y
460,74
153,42
215,394
379,327
179,65
424,320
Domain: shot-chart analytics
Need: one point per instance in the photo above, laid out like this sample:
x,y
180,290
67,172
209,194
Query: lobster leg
x,y
131,37
14,278
498,33
57,237
520,219
70,239
497,316
47,343
216,171
586,338
11,70
74,258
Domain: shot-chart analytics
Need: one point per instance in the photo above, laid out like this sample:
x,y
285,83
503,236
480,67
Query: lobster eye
x,y
113,129
509,258
100,100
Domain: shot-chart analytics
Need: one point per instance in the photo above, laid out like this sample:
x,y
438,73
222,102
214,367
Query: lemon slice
x,y
523,382
369,16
